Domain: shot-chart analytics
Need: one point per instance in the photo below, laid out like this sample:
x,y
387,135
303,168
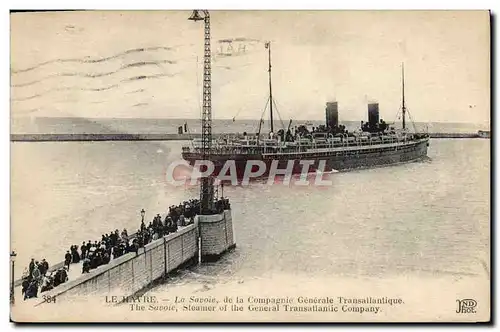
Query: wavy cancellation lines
x,y
91,60
107,78
94,74
91,74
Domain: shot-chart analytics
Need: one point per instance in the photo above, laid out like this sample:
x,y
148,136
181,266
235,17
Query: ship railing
x,y
360,143
352,147
301,146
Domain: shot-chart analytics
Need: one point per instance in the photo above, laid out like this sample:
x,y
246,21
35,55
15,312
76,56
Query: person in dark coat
x,y
28,291
112,239
43,267
168,225
83,249
93,261
60,277
57,278
117,236
86,266
75,256
67,259
114,252
25,286
173,225
32,290
32,266
63,276
106,258
98,259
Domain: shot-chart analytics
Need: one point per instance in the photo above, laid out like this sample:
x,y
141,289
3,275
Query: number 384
x,y
49,299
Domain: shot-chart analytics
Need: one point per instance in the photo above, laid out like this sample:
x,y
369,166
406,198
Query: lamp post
x,y
143,213
12,260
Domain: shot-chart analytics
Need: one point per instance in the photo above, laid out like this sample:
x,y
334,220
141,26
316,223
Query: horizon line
x,y
198,119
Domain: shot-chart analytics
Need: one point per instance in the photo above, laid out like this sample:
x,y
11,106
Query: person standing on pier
x,y
31,266
75,256
86,265
25,286
83,248
113,238
67,259
36,274
43,267
47,284
31,290
124,235
106,258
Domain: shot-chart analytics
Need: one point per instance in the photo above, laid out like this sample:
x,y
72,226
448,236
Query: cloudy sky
x,y
144,64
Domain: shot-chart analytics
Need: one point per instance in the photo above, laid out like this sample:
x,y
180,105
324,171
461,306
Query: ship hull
x,y
324,161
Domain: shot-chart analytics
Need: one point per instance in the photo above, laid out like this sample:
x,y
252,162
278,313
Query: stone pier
x,y
131,273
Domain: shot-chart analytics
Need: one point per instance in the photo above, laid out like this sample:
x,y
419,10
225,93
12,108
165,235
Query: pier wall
x,y
133,272
454,135
217,236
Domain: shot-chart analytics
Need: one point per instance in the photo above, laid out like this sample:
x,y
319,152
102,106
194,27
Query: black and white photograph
x,y
188,166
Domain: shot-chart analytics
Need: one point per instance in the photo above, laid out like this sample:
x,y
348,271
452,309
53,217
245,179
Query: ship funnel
x,y
332,114
373,115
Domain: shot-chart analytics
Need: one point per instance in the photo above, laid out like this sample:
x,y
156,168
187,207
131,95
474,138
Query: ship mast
x,y
403,108
268,46
207,183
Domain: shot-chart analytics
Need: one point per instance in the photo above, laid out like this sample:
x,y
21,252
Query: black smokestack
x,y
332,114
373,115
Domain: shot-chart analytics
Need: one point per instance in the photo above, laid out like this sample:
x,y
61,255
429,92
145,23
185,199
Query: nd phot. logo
x,y
466,306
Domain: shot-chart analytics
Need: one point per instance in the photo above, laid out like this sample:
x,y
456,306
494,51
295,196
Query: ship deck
x,y
305,150
349,148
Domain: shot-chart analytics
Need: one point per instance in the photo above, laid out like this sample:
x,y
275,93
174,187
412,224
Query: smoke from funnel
x,y
370,100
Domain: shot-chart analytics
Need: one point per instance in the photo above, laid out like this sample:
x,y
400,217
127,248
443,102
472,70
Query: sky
x,y
149,64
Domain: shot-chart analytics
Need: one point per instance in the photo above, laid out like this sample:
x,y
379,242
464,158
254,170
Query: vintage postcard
x,y
250,166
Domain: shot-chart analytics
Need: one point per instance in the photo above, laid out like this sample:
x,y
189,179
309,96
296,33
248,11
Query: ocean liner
x,y
327,147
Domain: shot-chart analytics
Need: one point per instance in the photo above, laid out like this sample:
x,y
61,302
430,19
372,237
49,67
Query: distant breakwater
x,y
160,137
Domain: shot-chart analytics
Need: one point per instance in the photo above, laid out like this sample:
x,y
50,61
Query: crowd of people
x,y
37,275
112,245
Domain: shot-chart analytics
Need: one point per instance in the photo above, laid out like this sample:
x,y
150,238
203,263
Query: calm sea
x,y
421,218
